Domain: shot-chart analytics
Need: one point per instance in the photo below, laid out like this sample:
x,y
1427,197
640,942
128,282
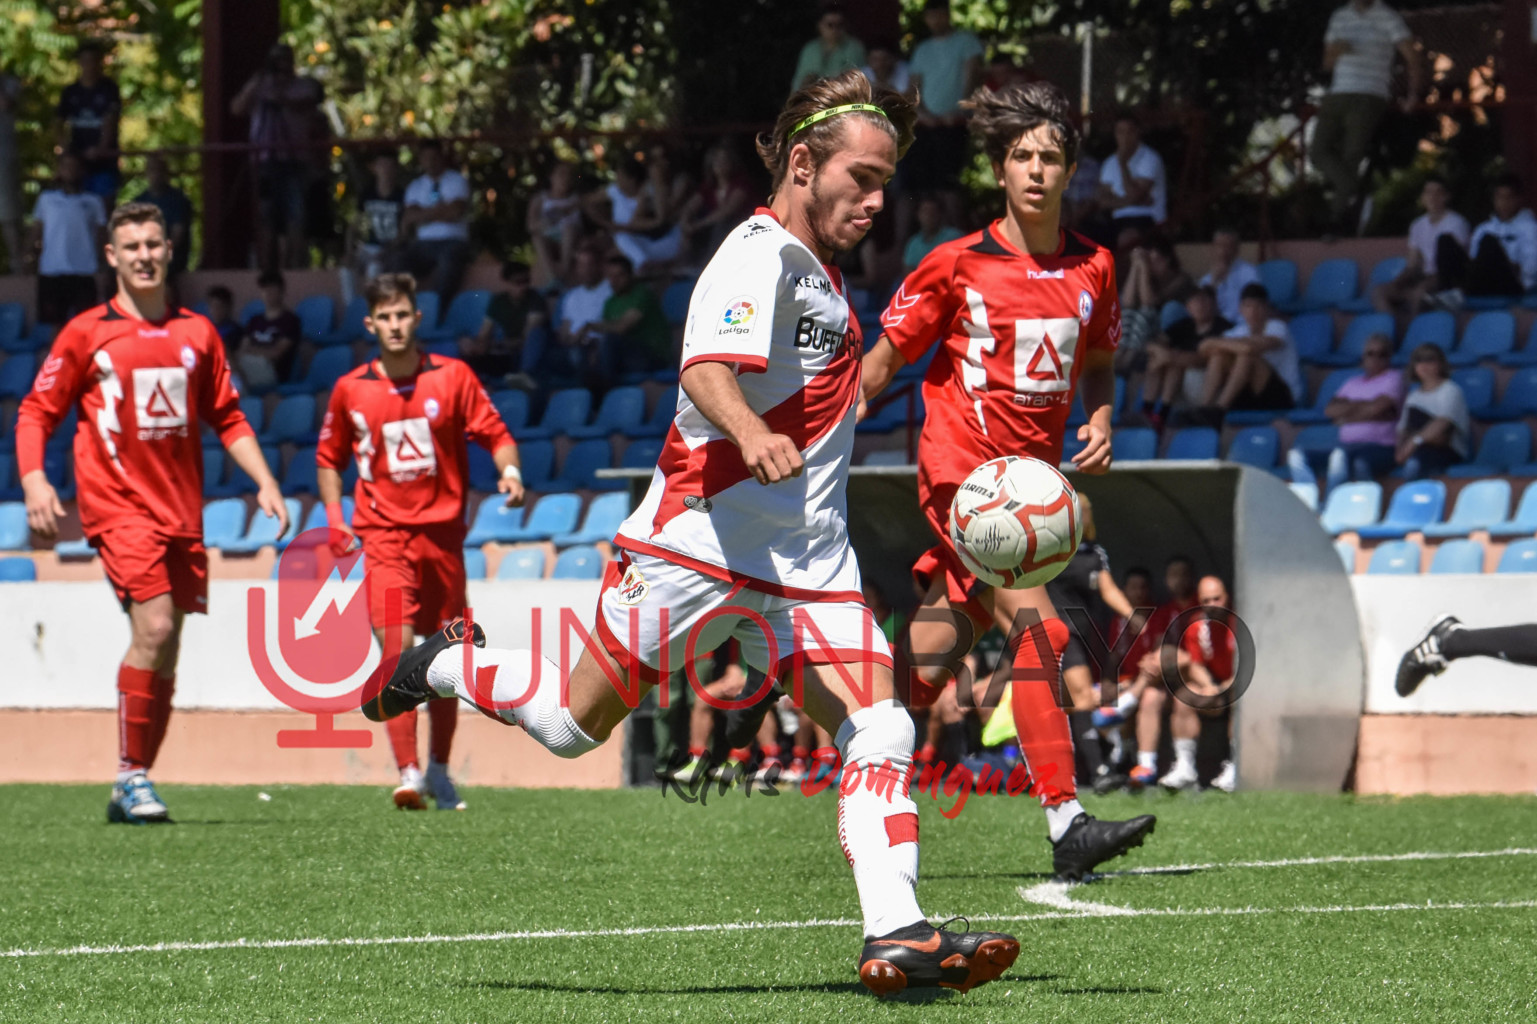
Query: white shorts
x,y
662,616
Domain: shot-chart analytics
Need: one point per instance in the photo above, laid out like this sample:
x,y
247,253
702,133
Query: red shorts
x,y
141,563
425,564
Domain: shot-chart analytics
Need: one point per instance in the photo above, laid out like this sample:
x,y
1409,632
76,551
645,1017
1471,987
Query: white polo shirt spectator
x,y
70,222
1518,237
1424,233
583,305
1239,276
427,191
1145,164
1373,34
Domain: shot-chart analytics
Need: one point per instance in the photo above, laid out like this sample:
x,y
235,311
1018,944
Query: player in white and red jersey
x,y
1208,665
1024,313
405,416
145,376
743,532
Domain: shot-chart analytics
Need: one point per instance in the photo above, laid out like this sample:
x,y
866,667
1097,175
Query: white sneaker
x,y
411,794
1227,778
442,788
1181,776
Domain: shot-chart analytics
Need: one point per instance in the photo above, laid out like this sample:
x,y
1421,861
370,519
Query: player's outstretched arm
x,y
510,470
247,454
1097,385
713,389
879,365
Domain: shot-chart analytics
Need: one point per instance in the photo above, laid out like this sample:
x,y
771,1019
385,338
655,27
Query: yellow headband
x,y
823,115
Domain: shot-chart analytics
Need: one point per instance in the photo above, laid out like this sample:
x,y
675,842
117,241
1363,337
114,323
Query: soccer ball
x,y
1015,522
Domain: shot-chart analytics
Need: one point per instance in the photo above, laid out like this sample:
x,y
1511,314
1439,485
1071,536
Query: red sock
x,y
402,733
442,718
800,753
694,751
1044,735
770,750
740,753
135,718
165,687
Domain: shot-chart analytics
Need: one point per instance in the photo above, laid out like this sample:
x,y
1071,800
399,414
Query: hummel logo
x,y
900,302
1046,275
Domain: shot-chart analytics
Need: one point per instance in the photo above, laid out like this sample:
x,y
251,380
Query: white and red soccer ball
x,y
1014,522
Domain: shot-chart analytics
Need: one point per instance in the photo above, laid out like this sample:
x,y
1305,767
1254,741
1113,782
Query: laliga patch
x,y
633,588
697,503
1085,306
739,316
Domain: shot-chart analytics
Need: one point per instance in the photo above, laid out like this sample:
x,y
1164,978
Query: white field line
x,y
1051,894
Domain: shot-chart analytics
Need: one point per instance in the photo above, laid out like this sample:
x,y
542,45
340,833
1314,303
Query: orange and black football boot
x,y
920,956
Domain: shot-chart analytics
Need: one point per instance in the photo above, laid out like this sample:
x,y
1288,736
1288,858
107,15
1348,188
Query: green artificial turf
x,y
334,863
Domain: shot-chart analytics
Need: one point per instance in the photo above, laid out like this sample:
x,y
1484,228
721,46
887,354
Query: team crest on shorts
x,y
1085,306
633,588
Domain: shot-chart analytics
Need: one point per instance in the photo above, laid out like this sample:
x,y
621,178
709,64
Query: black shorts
x,y
1075,654
934,162
1274,395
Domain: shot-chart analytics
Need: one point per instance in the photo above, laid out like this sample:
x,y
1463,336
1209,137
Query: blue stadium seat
x,y
554,513
465,314
1352,506
1133,444
350,328
237,482
1192,443
299,476
255,411
675,302
1307,493
621,412
1486,336
1327,389
1520,556
250,309
1347,553
1458,556
10,486
59,465
604,514
1313,336
1504,445
579,563
17,570
566,409
317,515
578,470
262,531
1480,505
327,366
662,413
315,313
1280,279
1524,522
474,564
521,564
1255,446
1331,283
1072,446
1382,273
482,467
1438,327
644,453
1519,399
293,421
427,305
1395,558
223,522
15,534
512,406
537,460
13,323
1354,340
213,470
898,457
1477,384
16,374
1526,355
893,415
1414,505
494,522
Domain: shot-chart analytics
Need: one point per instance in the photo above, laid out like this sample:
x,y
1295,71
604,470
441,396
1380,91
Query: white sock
x,y
1117,746
540,714
1059,818
1184,753
411,776
126,774
877,819
1126,703
1147,759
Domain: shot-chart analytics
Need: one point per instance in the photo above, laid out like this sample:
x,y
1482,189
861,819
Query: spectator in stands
x,y
555,225
86,122
1080,206
374,237
1436,260
1177,352
723,201
266,354
1154,280
1434,430
221,313
887,70
631,212
932,232
288,129
506,346
1359,45
1132,186
1229,274
1254,365
632,336
1366,409
832,52
10,171
1504,248
945,69
176,208
667,185
581,305
437,219
67,236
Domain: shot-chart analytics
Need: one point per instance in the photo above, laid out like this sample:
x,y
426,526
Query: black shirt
x,y
1077,586
85,109
381,214
1185,337
264,331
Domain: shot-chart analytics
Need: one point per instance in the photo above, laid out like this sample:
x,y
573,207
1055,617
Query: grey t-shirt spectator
x,y
447,187
940,63
1373,35
70,222
1282,358
1445,402
1228,290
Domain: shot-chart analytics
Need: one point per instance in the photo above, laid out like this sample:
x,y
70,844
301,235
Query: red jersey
x,y
409,439
1012,329
143,389
1213,645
